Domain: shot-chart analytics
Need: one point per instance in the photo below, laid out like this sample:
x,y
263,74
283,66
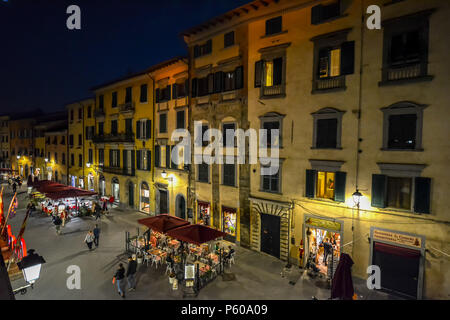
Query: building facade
x,y
4,142
22,145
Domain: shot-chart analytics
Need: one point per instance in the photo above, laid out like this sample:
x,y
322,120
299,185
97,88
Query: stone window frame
x,y
198,173
328,113
280,179
404,24
399,108
159,122
332,39
270,117
236,172
326,165
269,54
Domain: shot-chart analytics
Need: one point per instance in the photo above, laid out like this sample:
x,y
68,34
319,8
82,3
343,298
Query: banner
x,y
397,238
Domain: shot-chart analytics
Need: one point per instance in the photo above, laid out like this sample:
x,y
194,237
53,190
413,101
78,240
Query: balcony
x,y
99,113
119,171
273,91
127,108
118,137
404,72
331,83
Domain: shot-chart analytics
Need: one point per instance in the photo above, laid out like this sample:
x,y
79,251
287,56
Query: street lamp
x,y
46,160
164,174
357,197
31,269
88,164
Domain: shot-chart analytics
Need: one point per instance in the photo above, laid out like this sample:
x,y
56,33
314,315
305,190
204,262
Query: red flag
x,y
2,215
22,229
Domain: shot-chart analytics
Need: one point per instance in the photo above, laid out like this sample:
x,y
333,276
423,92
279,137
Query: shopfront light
x,y
46,159
88,164
164,174
357,197
31,266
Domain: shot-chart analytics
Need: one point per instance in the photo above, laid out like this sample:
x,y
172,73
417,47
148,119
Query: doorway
x,y
115,189
180,209
270,234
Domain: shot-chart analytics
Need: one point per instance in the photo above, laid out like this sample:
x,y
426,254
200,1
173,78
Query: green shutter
x,y
110,157
239,77
167,156
316,14
125,160
258,73
422,195
348,57
174,90
339,190
157,95
379,182
138,160
277,71
310,187
138,129
172,160
157,156
148,128
149,160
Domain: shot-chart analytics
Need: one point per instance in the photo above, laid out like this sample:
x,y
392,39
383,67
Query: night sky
x,y
45,65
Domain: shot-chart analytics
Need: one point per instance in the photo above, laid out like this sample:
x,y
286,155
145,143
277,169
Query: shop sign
x,y
324,224
189,272
397,238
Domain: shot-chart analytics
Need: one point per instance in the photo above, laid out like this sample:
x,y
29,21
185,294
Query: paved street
x,y
257,276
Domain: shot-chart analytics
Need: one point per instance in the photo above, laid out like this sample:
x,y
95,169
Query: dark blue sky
x,y
45,65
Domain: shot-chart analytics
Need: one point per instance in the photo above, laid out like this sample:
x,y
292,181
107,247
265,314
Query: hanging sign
x,y
325,224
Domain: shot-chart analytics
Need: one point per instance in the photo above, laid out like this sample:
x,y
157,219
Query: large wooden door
x,y
270,234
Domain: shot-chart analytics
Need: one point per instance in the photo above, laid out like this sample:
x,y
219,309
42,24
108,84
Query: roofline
x,y
80,100
140,73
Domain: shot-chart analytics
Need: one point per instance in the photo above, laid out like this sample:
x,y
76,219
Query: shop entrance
x,y
229,223
180,209
163,201
270,234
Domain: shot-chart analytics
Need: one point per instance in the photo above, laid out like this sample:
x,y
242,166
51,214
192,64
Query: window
x,y
143,129
179,90
128,95
56,157
231,127
181,122
163,123
325,181
114,99
325,185
63,158
334,57
128,126
203,172
204,49
271,183
70,140
228,39
100,102
327,128
101,156
63,140
89,112
229,174
272,121
80,113
113,127
163,95
114,158
71,115
229,81
270,71
80,139
100,128
143,96
90,156
202,136
322,13
80,160
399,192
157,156
72,159
405,48
402,126
273,26
144,160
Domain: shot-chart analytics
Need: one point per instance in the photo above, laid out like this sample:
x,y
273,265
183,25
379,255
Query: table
x,y
202,266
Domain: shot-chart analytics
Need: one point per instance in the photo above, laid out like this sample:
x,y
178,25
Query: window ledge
x,y
318,91
325,200
407,150
274,96
271,192
385,83
203,182
318,148
274,34
226,185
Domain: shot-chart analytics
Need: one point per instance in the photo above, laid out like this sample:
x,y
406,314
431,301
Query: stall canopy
x,y
55,190
163,222
195,233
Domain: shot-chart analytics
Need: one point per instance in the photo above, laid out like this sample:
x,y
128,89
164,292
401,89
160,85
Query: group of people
x,y
15,182
99,209
92,237
130,274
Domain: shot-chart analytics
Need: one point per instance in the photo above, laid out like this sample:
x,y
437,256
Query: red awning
x,y
395,250
163,222
196,234
68,192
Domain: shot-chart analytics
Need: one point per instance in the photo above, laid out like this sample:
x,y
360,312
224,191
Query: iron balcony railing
x,y
404,72
119,171
273,90
99,113
330,83
126,107
118,137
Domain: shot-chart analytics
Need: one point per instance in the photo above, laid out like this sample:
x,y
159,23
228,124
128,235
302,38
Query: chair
x,y
147,258
156,260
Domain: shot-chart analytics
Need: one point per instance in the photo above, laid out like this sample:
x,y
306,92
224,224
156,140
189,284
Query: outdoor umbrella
x,y
163,223
195,233
342,283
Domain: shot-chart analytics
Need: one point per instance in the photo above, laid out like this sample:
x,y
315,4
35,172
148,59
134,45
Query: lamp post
x,y
357,198
31,269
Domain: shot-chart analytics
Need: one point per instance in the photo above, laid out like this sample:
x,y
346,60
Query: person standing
x,y
326,250
131,274
119,277
57,222
89,239
96,235
105,206
98,212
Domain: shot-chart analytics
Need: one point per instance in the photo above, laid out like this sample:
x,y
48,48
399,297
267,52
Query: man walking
x,y
57,222
119,277
131,274
96,235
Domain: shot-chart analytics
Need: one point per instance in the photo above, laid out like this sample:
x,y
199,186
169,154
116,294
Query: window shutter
x,y
174,90
194,87
239,77
138,129
422,196
148,129
125,159
310,186
379,190
138,160
339,189
110,158
133,159
167,156
157,156
258,73
210,83
208,46
149,160
157,95
218,81
316,14
172,162
186,87
348,57
277,71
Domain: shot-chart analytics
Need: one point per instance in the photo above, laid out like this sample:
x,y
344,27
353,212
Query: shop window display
x,y
145,198
204,213
324,250
229,221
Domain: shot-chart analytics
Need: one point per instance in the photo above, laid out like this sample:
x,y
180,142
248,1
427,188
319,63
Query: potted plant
x,y
140,258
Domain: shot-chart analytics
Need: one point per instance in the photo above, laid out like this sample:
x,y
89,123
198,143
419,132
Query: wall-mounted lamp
x,y
357,197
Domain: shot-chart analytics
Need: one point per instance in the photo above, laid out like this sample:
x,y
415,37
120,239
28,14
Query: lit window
x,y
269,74
325,185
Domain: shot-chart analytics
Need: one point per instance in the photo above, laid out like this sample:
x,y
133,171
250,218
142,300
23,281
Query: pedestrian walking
x,y
98,212
89,239
96,235
57,222
14,187
105,206
131,274
119,276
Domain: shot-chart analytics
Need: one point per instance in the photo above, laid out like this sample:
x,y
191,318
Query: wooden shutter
x,y
258,73
172,160
186,87
218,81
422,195
148,129
277,71
194,87
310,186
157,156
110,158
138,129
167,156
348,57
196,51
339,186
239,77
210,83
149,160
133,161
174,90
316,14
157,95
138,160
379,182
208,48
125,160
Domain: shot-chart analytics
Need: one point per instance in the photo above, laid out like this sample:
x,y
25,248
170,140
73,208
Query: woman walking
x,y
119,278
89,239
